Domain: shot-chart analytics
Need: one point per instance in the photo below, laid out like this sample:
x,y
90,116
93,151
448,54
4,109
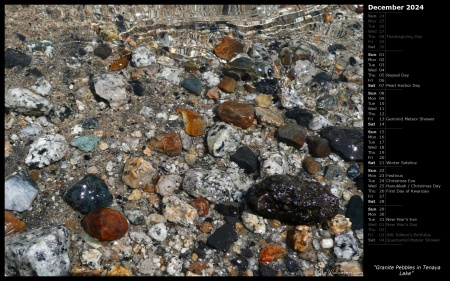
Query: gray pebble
x,y
222,139
20,191
158,232
24,101
142,57
30,132
112,87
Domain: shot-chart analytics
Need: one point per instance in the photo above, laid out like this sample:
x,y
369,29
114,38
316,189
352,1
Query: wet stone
x,y
105,224
26,102
299,238
292,134
222,139
359,181
339,224
266,116
142,57
137,172
254,223
169,144
332,171
103,51
194,123
327,102
346,247
12,224
227,84
301,116
158,232
20,191
88,194
14,58
90,123
322,77
246,159
263,100
240,114
353,171
45,150
318,147
271,253
311,165
290,98
85,143
346,141
318,122
292,200
41,252
193,85
267,86
355,212
222,238
228,48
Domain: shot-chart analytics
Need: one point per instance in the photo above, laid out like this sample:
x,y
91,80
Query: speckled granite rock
x,y
39,252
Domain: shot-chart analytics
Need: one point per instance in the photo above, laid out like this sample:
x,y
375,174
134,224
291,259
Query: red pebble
x,y
271,253
202,206
105,224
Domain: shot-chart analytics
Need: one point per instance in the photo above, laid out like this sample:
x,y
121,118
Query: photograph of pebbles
x,y
184,140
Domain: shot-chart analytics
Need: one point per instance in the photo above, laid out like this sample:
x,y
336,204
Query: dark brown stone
x,y
240,114
105,224
227,84
311,165
292,134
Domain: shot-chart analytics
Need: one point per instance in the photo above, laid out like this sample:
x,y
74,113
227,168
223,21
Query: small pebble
x,y
227,84
169,144
105,224
20,191
271,253
85,143
228,48
194,123
137,172
239,114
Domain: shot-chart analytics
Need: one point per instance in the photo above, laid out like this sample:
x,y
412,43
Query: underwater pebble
x,y
112,87
105,224
26,102
85,143
142,57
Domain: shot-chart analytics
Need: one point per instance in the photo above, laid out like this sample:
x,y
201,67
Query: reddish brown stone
x,y
169,144
319,147
105,224
299,238
195,125
206,227
12,224
240,114
271,253
311,165
292,134
228,48
249,88
202,206
213,93
227,84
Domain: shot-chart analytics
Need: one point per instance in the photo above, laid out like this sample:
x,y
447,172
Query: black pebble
x,y
359,181
246,159
353,171
34,72
88,194
21,37
348,142
291,265
222,238
322,77
200,252
247,253
332,171
15,58
103,51
90,123
267,86
355,212
240,262
137,87
352,61
301,116
266,270
201,244
230,220
228,209
335,47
